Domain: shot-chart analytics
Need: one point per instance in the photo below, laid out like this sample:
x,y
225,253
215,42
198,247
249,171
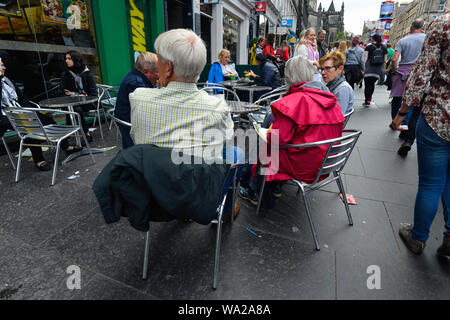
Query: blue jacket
x,y
215,73
270,76
133,80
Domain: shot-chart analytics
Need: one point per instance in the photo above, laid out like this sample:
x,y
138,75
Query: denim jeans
x,y
233,155
433,155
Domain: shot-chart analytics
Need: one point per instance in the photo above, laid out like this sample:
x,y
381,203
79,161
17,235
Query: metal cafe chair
x,y
274,93
115,120
211,89
338,152
100,92
11,159
28,126
218,221
347,116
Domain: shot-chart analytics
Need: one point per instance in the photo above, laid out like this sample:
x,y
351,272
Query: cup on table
x,y
232,76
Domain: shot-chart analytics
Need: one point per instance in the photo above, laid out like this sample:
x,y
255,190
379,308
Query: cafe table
x,y
251,89
70,102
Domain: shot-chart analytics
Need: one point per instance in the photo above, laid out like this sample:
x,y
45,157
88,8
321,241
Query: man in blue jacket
x,y
270,76
143,75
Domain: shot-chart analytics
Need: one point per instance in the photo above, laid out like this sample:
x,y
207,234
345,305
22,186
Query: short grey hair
x,y
298,69
146,60
418,24
322,31
185,50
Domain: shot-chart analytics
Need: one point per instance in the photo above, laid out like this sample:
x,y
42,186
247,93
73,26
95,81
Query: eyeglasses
x,y
327,69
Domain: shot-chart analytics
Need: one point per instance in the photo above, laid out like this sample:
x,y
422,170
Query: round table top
x,y
67,101
241,107
253,88
233,83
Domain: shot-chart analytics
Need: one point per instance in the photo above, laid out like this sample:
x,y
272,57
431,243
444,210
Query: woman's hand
x,y
67,92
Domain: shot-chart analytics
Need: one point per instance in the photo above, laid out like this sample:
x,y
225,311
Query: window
x,y
230,35
442,5
36,34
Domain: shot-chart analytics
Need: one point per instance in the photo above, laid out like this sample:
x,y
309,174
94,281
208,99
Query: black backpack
x,y
377,56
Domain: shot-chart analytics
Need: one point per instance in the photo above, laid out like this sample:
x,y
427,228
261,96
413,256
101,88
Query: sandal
x,y
43,166
73,150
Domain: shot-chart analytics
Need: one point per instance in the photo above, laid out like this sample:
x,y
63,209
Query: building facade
x,y
407,13
330,20
108,33
369,29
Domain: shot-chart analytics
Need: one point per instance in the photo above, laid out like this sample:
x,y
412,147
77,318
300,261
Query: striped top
x,y
179,116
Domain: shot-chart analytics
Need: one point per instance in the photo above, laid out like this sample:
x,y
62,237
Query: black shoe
x,y
89,140
44,166
276,190
444,249
247,194
412,244
404,149
75,149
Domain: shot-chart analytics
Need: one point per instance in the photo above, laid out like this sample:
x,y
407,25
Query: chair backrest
x,y
213,89
338,152
347,116
25,122
110,114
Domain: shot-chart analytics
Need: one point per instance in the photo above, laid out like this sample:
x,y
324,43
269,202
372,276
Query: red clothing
x,y
283,54
268,49
304,115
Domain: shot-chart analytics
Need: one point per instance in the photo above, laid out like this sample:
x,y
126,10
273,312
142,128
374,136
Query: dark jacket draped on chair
x,y
144,184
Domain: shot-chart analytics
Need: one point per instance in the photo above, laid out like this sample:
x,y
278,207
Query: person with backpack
x,y
354,63
375,56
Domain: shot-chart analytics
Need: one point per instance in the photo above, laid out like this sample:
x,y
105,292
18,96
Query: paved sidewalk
x,y
45,229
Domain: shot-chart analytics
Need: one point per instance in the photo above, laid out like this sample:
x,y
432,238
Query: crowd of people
x,y
159,97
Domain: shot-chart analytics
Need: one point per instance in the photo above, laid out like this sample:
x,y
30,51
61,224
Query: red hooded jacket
x,y
304,115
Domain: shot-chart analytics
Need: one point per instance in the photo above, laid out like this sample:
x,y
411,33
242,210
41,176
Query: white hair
x,y
298,69
185,50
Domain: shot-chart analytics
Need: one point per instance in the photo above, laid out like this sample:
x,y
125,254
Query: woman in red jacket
x,y
308,112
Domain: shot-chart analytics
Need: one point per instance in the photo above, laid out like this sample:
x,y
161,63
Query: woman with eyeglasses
x,y
332,66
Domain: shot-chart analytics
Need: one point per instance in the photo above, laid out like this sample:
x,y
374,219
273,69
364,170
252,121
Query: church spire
x,y
331,8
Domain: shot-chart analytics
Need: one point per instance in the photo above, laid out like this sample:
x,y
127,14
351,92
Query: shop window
x,y
231,35
37,33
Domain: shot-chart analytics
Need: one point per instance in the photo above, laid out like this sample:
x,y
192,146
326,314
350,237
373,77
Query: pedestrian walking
x,y
433,136
282,52
354,63
406,53
375,57
322,47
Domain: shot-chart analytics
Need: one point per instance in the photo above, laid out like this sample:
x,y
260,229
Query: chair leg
x,y
218,241
100,126
311,224
87,146
234,195
55,165
344,196
11,159
19,161
146,254
260,195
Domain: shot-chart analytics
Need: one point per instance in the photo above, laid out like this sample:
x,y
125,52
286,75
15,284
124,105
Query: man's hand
x,y
67,92
315,63
251,73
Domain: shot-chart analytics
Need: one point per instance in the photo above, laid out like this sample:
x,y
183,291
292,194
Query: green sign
x,y
138,15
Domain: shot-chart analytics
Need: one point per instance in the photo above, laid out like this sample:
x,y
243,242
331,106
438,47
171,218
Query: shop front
x,y
229,25
36,34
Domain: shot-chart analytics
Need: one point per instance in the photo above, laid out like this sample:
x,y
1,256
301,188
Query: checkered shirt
x,y
157,114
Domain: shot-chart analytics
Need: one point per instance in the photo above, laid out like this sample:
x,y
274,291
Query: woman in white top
x,y
307,47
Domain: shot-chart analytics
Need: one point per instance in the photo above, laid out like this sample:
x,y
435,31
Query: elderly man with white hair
x,y
308,112
178,115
